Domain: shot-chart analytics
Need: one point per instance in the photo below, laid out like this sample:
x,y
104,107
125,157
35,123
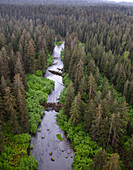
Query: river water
x,y
62,152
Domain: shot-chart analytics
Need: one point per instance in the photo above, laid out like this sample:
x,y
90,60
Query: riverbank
x,y
51,148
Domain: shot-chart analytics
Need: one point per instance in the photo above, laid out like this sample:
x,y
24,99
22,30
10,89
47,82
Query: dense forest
x,y
97,101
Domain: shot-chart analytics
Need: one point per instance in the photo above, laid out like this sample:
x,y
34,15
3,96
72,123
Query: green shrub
x,y
62,55
85,149
49,60
59,43
38,90
28,163
38,73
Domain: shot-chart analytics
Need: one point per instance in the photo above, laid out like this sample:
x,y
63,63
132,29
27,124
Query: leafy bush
x,y
66,81
49,60
38,90
15,148
62,55
38,73
59,43
28,163
21,138
85,149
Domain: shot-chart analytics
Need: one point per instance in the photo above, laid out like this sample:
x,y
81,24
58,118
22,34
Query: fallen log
x,y
60,69
52,106
53,64
55,72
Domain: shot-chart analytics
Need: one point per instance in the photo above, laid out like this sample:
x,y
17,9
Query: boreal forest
x,y
95,106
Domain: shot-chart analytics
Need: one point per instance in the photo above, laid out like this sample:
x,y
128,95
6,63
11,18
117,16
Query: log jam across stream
x,y
45,142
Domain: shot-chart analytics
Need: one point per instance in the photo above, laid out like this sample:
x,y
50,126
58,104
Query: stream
x,y
63,153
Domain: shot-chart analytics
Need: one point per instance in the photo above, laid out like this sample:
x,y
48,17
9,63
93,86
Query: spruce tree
x,y
69,99
12,114
113,163
89,115
92,87
78,75
75,110
4,64
1,138
19,70
21,102
99,160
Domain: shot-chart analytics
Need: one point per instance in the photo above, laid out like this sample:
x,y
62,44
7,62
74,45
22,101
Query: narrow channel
x,y
62,152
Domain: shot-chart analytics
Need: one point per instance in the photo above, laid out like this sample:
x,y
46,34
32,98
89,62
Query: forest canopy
x,y
98,76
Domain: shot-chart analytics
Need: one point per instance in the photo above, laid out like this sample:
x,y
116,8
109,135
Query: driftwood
x,y
52,106
55,57
60,69
55,72
53,64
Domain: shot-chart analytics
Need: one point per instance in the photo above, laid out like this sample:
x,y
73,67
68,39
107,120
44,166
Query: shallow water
x,y
62,151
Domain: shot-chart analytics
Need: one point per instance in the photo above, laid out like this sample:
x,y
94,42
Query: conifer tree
x,y
42,60
92,87
97,99
82,86
113,163
69,98
131,93
19,70
30,57
10,110
12,62
104,88
91,66
3,85
21,102
1,138
97,76
75,110
89,115
78,74
130,154
99,160
2,40
116,130
4,64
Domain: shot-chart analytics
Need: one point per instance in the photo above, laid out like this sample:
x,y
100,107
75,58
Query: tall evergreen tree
x,y
99,160
21,102
75,110
69,99
92,87
4,64
11,111
19,70
78,74
113,163
89,115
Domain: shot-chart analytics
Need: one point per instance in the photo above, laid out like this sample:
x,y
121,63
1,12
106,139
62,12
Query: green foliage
x,y
31,146
59,137
49,60
15,148
59,43
62,55
21,138
85,148
28,163
66,81
63,96
38,73
38,90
